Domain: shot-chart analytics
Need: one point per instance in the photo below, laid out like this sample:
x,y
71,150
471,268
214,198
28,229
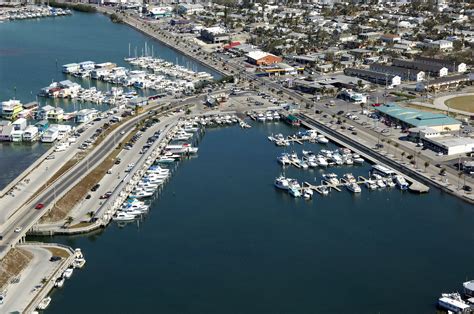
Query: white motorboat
x,y
349,177
294,157
303,164
79,262
281,183
307,193
321,161
381,184
324,190
401,182
261,117
44,303
68,272
59,283
165,160
353,187
294,184
331,178
283,159
389,183
121,216
371,185
294,192
322,139
357,159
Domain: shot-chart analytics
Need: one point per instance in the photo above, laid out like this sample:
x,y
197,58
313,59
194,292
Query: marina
x,y
208,205
31,12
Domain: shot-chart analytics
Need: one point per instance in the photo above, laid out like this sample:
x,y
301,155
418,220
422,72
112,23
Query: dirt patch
x,y
12,264
82,224
57,251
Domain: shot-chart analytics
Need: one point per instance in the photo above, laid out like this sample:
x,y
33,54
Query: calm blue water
x,y
31,55
32,52
221,239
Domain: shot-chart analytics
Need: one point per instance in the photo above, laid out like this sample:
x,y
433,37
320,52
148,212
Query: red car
x,y
39,206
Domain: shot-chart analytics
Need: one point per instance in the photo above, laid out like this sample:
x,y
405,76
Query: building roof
x,y
415,117
451,141
257,55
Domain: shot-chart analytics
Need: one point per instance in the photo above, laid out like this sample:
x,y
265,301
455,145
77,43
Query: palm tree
x,y
426,164
402,155
69,220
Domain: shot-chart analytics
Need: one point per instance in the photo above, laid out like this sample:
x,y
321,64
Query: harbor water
x,y
221,239
31,55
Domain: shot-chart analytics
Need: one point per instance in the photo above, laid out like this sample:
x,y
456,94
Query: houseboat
x,y
292,120
30,134
50,135
10,109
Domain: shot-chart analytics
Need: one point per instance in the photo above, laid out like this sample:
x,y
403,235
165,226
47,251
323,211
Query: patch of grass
x,y
80,225
56,251
464,103
12,264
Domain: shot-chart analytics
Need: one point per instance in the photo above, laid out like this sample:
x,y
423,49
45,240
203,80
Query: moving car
x,y
39,206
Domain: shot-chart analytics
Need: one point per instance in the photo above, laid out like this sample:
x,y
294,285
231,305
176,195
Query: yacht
x,y
294,192
294,184
389,182
269,116
401,182
261,117
307,193
381,184
121,216
303,164
276,116
357,159
283,159
142,194
79,262
165,160
157,169
322,139
281,183
321,161
324,190
353,187
44,303
294,157
371,185
349,177
331,178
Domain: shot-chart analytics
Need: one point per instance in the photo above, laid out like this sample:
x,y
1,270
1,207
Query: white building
x,y
50,135
87,65
450,145
20,124
85,115
189,9
70,67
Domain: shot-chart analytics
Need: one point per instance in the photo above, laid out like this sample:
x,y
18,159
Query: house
x,y
262,58
87,65
390,38
158,12
440,44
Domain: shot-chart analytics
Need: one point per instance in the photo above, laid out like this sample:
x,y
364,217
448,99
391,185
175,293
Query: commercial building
x,y
404,73
432,69
262,58
449,145
215,35
374,77
410,118
189,9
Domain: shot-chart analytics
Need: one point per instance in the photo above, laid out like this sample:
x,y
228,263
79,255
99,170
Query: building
x,y
30,134
433,69
449,145
446,82
87,65
390,38
20,124
440,45
70,67
411,118
50,135
374,77
403,73
158,12
10,109
262,58
189,9
215,35
451,65
86,115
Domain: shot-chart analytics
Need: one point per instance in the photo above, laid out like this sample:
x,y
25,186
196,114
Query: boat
x,y
283,159
281,183
453,303
349,177
322,139
79,262
324,190
331,178
357,159
353,187
121,216
68,272
59,283
401,182
307,193
44,303
371,185
322,162
294,192
165,160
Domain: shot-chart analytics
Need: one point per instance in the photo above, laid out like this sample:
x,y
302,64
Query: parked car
x,y
95,187
467,188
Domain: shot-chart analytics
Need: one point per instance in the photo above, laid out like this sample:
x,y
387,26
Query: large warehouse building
x,y
412,118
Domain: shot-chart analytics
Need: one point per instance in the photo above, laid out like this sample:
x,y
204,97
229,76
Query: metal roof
x,y
415,117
